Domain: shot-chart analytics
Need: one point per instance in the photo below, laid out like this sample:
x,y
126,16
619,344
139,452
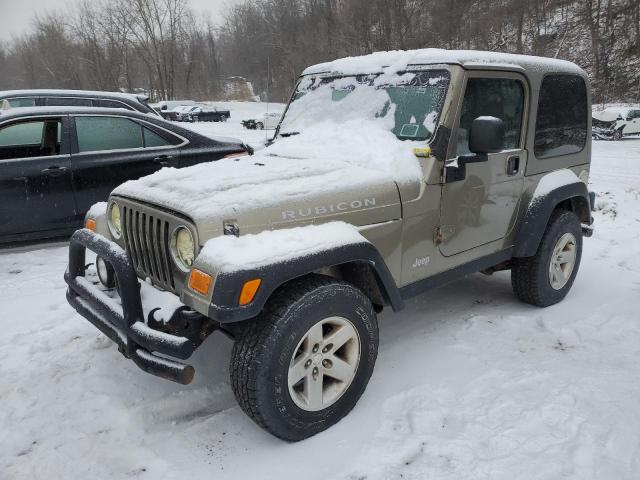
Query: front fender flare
x,y
224,306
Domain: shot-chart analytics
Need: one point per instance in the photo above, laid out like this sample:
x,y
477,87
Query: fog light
x,y
106,273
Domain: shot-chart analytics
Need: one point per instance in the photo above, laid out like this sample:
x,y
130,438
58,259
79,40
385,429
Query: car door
x,y
481,208
111,149
632,126
35,176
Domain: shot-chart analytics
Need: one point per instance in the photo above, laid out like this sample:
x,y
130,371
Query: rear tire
x,y
546,278
279,358
259,126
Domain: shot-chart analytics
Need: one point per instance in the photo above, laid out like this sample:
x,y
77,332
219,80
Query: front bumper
x,y
125,325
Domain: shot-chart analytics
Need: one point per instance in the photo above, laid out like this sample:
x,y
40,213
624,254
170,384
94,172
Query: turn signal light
x,y
200,282
239,154
90,224
249,290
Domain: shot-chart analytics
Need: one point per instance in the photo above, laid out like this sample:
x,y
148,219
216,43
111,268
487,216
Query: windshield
x,y
408,104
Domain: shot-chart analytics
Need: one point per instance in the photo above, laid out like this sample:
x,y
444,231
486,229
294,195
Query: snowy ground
x,y
469,383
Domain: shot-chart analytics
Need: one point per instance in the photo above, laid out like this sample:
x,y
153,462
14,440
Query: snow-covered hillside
x,y
469,383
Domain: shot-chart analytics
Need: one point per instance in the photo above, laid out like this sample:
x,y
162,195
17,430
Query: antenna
x,y
266,135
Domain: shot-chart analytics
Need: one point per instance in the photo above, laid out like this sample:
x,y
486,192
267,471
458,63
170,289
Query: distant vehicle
x,y
58,161
616,122
167,108
199,113
74,98
266,120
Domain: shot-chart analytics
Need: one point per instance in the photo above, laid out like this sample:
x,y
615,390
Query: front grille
x,y
147,240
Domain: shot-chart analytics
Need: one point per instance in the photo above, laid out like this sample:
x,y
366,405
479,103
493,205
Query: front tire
x,y
259,126
305,361
546,278
617,135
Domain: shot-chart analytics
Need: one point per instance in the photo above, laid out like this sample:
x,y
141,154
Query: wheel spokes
x,y
340,370
314,390
323,367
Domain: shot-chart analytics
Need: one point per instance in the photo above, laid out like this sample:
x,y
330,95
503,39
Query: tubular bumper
x,y
135,339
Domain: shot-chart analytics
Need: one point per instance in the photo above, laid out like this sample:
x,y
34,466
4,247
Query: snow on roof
x,y
398,60
42,91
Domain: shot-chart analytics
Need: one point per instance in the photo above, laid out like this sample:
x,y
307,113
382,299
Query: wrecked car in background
x,y
616,122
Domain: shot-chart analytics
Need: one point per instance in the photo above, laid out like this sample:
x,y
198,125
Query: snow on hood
x,y
611,114
321,161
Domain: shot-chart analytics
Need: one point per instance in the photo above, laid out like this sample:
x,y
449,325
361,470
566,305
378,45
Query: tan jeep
x,y
389,175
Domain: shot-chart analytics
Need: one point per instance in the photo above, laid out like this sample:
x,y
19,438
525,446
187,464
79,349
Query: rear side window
x,y
110,104
152,139
67,102
107,133
561,124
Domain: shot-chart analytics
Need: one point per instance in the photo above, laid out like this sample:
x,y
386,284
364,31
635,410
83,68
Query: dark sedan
x,y
57,162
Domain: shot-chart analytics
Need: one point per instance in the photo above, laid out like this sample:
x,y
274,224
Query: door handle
x,y
513,165
162,160
54,171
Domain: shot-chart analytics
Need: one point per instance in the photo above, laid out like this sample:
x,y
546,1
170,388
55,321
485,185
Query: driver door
x,y
482,207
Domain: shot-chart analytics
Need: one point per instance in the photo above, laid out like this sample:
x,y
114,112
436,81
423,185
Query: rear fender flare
x,y
574,196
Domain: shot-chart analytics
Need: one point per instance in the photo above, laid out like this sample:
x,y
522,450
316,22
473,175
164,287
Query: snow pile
x,y
553,180
229,253
97,210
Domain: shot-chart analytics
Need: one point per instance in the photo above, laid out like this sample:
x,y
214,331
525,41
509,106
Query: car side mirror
x,y
486,135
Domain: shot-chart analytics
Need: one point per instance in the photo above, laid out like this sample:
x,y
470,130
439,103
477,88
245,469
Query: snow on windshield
x,y
405,104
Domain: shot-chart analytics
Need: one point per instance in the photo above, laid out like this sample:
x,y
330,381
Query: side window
x,y
107,133
152,139
110,104
497,97
38,138
18,102
561,124
67,102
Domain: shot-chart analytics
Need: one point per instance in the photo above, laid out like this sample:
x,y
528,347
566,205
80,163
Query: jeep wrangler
x,y
389,175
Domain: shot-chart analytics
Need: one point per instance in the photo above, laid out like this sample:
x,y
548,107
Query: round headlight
x,y
115,222
185,249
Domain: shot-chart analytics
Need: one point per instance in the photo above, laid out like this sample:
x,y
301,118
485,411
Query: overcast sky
x,y
16,15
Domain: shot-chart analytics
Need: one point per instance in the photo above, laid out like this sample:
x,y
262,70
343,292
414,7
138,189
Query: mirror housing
x,y
486,135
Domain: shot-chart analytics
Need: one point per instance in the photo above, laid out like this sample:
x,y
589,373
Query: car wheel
x,y
547,277
260,126
617,135
303,364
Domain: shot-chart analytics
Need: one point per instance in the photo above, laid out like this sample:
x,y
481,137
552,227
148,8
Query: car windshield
x,y
408,103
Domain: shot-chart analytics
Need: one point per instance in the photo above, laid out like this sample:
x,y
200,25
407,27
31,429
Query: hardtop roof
x,y
399,60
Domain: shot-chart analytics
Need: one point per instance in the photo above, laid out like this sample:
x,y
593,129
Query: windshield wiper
x,y
289,134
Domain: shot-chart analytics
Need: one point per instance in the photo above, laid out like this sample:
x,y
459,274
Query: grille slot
x,y
146,240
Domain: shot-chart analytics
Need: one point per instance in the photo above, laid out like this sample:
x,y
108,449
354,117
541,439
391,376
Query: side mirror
x,y
487,135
